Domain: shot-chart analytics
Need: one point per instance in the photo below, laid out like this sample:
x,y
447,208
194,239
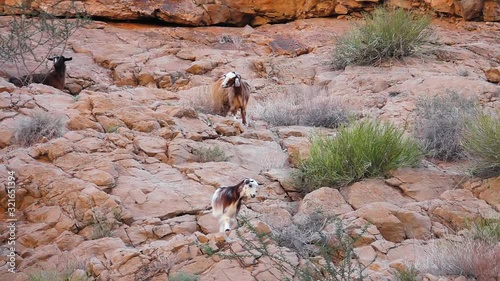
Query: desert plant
x,y
102,224
482,144
366,149
182,276
440,122
333,260
200,100
210,154
467,257
34,34
304,236
301,106
40,125
66,270
386,33
406,274
484,229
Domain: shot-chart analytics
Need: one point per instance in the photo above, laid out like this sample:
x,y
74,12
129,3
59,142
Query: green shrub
x,y
210,154
482,143
386,33
440,121
486,230
40,125
182,276
406,274
366,149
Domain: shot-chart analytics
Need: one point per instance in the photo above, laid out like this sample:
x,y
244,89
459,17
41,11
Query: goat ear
x,y
247,181
67,59
50,58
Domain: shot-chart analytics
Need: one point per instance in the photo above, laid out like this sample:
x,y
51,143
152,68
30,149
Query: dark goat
x,y
55,78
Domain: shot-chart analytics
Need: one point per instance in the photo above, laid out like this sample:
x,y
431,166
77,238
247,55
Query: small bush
x,y
200,100
386,33
440,122
40,125
103,224
468,257
334,258
34,34
182,276
482,143
211,154
367,149
66,270
487,230
303,237
300,106
406,274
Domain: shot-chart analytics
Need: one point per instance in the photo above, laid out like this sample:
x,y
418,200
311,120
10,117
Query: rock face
x,y
125,193
259,12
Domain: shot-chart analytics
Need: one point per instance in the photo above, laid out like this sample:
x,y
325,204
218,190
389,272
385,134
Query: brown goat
x,y
230,93
55,78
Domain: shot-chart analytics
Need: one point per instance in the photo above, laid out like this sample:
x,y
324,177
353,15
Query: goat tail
x,y
217,206
220,98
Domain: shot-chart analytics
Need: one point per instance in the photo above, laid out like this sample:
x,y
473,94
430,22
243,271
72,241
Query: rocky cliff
x,y
257,12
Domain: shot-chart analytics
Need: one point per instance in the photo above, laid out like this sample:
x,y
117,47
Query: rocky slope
x,y
121,196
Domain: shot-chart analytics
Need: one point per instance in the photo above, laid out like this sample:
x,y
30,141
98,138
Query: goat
x,y
226,202
55,78
230,93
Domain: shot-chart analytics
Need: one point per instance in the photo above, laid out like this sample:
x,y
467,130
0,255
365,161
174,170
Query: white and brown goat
x,y
230,93
55,78
226,202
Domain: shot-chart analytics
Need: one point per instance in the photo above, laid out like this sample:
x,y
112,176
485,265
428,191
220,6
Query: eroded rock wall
x,y
256,12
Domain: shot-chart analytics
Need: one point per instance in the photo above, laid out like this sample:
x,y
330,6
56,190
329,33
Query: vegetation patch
x,y
440,124
482,144
406,274
487,230
210,154
333,259
302,106
182,276
468,257
366,149
386,33
41,125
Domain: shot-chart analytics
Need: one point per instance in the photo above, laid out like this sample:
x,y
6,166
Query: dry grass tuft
x,y
40,125
473,258
297,105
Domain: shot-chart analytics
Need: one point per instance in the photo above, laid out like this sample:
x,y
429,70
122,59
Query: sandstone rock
x,y
380,214
297,148
325,200
151,145
68,241
491,10
421,184
208,224
491,193
284,177
469,9
493,75
197,266
372,190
